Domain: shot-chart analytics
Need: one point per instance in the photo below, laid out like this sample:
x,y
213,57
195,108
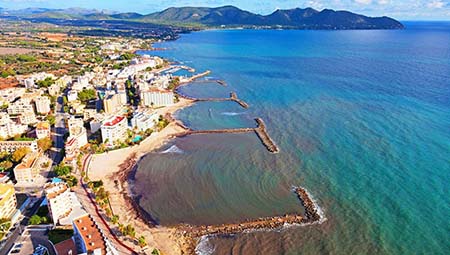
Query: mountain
x,y
228,16
127,15
292,18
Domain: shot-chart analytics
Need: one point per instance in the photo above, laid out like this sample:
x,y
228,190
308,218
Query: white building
x,y
90,239
29,83
63,204
28,118
9,128
20,107
11,146
72,95
114,129
43,130
42,104
157,98
144,120
77,131
28,171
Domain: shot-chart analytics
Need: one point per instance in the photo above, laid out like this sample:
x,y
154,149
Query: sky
x,y
399,9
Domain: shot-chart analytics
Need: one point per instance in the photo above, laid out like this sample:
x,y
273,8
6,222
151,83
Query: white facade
x,y
144,120
42,104
9,128
114,129
72,95
157,98
63,205
20,107
28,118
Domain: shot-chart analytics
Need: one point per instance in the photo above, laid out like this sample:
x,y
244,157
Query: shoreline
x,y
116,167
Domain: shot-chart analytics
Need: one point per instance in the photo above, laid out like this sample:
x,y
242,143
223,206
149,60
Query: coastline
x,y
114,169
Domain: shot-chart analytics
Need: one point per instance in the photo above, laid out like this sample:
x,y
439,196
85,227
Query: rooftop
x,y
90,234
114,121
28,161
66,247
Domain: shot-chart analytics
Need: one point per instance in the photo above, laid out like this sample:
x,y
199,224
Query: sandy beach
x,y
106,167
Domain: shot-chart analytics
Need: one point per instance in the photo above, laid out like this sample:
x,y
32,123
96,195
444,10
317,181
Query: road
x,y
19,229
59,130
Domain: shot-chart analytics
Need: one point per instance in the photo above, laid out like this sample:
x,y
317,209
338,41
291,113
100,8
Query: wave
x,y
173,149
204,247
232,113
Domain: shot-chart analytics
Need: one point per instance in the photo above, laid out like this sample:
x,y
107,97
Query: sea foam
x,y
204,247
173,149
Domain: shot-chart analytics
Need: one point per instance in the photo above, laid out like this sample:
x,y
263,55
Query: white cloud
x,y
438,4
363,1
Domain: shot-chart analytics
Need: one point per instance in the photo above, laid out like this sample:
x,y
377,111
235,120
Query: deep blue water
x,y
363,122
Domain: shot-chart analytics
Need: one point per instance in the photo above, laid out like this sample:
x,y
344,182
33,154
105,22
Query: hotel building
x,y
28,170
63,204
11,146
144,120
114,129
157,98
90,239
42,104
8,201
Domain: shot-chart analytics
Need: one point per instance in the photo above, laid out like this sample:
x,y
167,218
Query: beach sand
x,y
106,167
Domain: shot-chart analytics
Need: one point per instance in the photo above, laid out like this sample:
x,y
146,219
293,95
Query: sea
x,y
362,120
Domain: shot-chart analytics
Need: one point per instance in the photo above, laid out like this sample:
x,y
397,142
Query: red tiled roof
x,y
66,247
92,237
114,121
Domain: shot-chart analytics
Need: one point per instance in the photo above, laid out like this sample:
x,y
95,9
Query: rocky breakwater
x,y
192,234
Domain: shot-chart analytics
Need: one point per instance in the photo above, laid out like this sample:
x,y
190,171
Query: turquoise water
x,y
362,119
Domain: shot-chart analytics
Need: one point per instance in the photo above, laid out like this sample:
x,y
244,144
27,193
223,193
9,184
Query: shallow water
x,y
362,119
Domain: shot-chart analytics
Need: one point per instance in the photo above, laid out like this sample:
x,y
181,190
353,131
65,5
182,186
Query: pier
x,y
260,131
233,97
220,82
197,76
193,233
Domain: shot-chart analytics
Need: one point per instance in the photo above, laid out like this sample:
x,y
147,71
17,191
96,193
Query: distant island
x,y
220,17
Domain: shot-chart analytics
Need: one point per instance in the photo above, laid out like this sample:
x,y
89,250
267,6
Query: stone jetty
x,y
233,97
193,233
197,76
220,82
260,131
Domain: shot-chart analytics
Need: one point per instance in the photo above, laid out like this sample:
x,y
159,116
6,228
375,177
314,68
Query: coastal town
x,y
63,99
77,115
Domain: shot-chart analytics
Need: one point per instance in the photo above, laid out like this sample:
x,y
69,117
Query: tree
x,y
86,94
62,170
18,154
115,219
35,220
155,252
47,82
45,144
5,224
129,230
5,165
51,119
71,180
142,241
